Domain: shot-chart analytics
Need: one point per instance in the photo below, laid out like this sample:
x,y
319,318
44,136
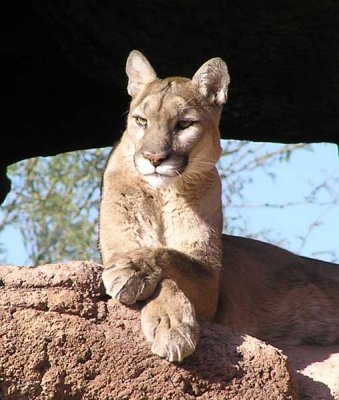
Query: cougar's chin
x,y
157,180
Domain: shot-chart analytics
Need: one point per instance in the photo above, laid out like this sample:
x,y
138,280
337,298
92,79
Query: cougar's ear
x,y
139,72
212,79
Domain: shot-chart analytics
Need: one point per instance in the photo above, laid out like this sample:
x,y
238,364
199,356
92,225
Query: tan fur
x,y
161,220
275,295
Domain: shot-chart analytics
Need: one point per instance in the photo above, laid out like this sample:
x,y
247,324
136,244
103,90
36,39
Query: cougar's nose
x,y
156,158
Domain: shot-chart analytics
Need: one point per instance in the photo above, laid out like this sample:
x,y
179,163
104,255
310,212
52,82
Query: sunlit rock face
x,y
61,338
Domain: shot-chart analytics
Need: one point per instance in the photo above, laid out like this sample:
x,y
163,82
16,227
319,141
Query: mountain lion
x,y
160,233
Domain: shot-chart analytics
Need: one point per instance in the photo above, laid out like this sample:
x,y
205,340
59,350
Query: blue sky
x,y
294,181
287,225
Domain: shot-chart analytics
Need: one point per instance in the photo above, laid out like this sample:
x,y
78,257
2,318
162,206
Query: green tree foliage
x,y
239,161
54,201
240,165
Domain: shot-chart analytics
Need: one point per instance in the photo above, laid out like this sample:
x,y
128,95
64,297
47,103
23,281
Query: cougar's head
x,y
174,122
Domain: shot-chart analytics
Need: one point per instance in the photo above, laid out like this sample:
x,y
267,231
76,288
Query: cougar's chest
x,y
140,211
181,223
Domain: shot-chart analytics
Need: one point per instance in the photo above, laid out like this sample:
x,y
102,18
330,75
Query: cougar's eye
x,y
184,124
140,121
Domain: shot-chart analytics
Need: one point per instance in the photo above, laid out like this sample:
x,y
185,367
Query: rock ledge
x,y
62,338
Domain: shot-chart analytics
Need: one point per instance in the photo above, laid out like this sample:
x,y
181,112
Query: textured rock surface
x,y
315,369
60,338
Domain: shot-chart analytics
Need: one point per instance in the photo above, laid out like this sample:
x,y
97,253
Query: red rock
x,y
61,338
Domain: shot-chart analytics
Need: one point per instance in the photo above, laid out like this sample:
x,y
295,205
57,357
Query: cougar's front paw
x,y
168,322
130,279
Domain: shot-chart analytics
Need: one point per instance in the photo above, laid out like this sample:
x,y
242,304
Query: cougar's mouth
x,y
169,171
162,174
